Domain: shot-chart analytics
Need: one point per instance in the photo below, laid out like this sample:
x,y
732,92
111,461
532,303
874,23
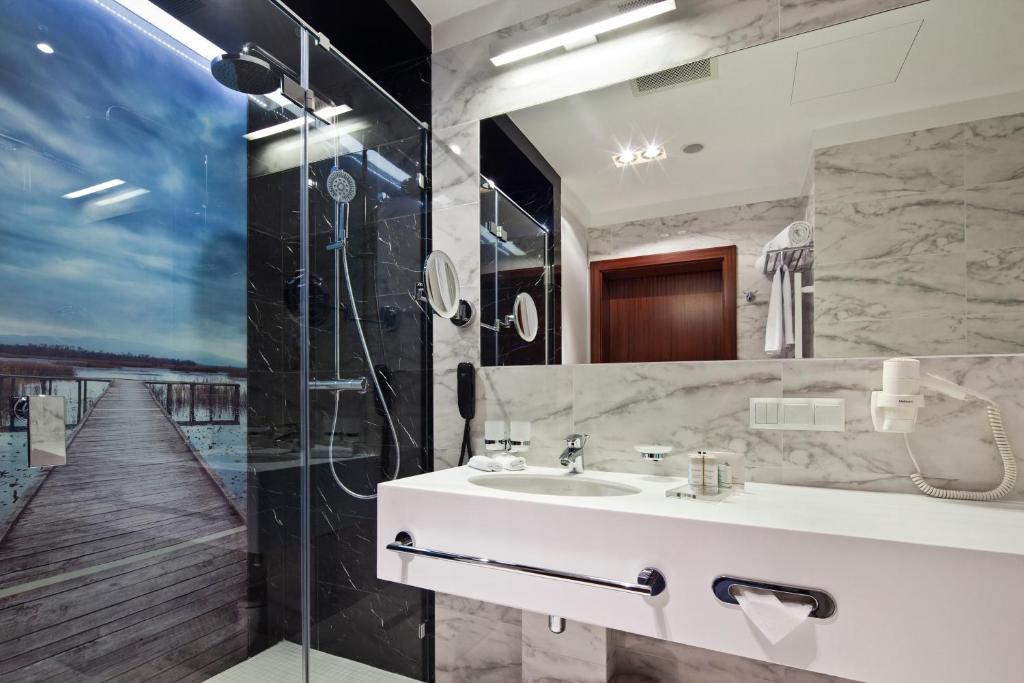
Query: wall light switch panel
x,y
799,414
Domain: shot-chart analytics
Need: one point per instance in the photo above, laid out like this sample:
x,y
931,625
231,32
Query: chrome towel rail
x,y
824,604
649,582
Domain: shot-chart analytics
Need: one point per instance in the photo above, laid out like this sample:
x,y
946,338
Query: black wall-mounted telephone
x,y
467,406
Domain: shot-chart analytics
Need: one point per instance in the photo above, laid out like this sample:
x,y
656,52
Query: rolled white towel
x,y
796,234
512,463
484,463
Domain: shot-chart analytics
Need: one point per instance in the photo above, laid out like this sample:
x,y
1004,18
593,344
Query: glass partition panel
x,y
514,271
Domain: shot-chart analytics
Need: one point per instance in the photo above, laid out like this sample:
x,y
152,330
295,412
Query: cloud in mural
x,y
155,265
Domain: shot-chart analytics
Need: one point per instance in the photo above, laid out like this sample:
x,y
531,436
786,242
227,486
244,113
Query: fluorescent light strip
x,y
585,34
93,189
121,197
326,114
179,32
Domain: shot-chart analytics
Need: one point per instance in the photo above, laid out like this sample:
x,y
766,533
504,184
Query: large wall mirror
x,y
853,191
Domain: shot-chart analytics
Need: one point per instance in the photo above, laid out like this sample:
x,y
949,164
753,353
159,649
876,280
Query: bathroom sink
x,y
553,485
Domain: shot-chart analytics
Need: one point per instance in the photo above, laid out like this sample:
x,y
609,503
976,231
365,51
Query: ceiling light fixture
x,y
584,35
632,157
93,189
326,114
45,48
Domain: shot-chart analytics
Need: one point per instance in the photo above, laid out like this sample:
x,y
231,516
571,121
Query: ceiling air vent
x,y
694,72
631,5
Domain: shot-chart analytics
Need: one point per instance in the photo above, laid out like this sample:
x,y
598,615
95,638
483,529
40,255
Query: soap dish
x,y
652,452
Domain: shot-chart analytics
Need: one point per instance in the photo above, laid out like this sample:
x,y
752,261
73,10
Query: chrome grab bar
x,y
824,605
650,581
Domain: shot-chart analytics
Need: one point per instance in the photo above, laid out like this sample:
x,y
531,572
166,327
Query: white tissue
x,y
484,463
774,618
512,463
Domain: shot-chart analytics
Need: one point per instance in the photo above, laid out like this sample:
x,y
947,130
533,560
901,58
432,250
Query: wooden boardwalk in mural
x,y
128,564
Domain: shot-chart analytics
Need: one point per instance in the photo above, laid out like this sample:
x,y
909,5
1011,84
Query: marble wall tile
x,y
455,172
889,228
476,649
665,661
538,394
916,286
579,655
953,441
1002,333
995,281
800,16
923,161
689,406
995,215
994,150
884,337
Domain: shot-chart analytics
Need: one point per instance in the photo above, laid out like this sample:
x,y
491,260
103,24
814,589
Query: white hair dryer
x,y
894,409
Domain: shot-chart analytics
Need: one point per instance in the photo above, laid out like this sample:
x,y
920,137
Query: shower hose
x,y
376,387
995,423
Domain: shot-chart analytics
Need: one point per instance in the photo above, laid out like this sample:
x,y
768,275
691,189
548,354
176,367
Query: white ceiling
x,y
770,106
437,11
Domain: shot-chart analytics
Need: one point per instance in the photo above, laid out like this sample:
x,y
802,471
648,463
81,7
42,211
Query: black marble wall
x,y
353,614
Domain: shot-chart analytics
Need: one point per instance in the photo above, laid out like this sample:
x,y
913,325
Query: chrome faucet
x,y
572,456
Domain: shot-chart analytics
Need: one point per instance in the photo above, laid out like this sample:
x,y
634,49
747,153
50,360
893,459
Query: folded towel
x,y
484,464
796,234
787,306
513,463
775,331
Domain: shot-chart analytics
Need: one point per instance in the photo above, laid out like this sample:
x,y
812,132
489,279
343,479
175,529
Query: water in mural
x,y
123,195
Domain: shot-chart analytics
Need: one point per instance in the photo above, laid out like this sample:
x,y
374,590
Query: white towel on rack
x,y
796,234
775,332
787,305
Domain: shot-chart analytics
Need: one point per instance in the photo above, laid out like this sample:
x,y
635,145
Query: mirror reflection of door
x,y
665,307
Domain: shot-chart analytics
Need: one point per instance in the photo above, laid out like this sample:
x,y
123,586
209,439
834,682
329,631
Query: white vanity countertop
x,y
896,517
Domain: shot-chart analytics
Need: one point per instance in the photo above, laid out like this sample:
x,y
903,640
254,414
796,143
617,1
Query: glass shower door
x,y
367,237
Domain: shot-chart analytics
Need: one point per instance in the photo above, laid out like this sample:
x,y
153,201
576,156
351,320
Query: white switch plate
x,y
798,414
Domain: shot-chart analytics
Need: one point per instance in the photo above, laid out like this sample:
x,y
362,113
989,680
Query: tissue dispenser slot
x,y
824,605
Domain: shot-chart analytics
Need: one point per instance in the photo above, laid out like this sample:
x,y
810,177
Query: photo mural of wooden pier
x,y
129,562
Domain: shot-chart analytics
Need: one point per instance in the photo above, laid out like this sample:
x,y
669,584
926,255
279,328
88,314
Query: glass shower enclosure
x,y
218,277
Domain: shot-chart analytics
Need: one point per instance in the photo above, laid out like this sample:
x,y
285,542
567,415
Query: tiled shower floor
x,y
280,664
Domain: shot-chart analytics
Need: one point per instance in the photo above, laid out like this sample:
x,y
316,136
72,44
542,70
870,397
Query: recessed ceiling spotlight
x,y
630,157
45,48
693,148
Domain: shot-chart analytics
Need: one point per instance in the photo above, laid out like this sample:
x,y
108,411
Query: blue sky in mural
x,y
161,272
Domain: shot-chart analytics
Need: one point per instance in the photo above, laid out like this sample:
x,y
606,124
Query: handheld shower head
x,y
341,186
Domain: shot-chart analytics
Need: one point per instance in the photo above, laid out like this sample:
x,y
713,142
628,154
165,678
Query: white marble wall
x,y
748,227
919,244
705,405
665,662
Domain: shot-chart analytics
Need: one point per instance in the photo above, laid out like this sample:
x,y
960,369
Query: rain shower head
x,y
341,186
245,73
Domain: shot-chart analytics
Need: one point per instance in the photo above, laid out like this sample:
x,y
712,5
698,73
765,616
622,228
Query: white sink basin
x,y
553,485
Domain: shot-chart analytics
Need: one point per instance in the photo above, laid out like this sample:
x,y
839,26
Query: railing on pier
x,y
12,386
186,402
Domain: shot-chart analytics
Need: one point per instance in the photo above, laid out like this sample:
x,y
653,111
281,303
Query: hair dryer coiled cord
x,y
995,422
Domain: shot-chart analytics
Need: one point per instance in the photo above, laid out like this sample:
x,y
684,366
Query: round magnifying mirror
x,y
442,284
524,314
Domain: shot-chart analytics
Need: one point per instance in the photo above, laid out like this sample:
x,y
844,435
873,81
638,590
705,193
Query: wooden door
x,y
666,307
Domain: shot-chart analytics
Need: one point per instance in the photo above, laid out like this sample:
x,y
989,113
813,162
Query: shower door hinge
x,y
422,631
421,180
497,231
